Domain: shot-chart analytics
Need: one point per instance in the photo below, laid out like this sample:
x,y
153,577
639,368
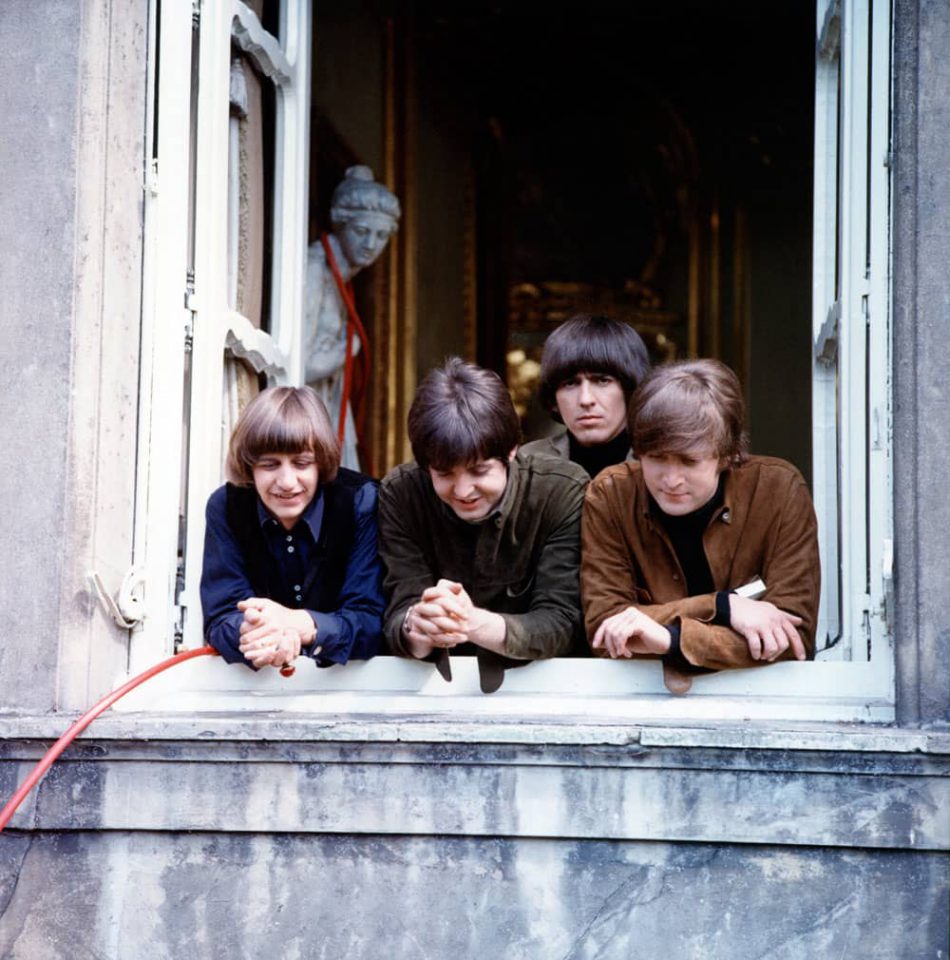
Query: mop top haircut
x,y
591,344
688,404
462,414
282,420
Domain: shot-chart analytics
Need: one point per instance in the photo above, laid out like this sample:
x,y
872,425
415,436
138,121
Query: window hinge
x,y
826,343
178,627
151,177
887,579
829,36
191,306
127,607
180,605
877,440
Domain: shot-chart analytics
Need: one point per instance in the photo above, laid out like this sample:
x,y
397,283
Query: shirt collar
x,y
312,516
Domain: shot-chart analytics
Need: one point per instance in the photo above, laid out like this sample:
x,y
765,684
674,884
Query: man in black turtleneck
x,y
589,368
673,541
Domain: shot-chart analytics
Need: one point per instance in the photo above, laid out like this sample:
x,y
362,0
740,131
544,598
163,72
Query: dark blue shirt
x,y
349,631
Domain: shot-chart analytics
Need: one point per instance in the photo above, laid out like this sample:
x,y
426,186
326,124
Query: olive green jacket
x,y
766,528
556,445
521,562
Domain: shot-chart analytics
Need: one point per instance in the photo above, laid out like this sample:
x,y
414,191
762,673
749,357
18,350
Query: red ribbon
x,y
353,325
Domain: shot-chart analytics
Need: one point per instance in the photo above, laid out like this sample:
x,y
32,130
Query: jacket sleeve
x,y
792,576
352,630
406,571
224,582
790,571
608,582
553,619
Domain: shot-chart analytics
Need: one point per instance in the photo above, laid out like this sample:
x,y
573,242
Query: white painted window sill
x,y
588,691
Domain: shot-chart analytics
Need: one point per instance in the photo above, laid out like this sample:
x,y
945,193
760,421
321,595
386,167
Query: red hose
x,y
51,755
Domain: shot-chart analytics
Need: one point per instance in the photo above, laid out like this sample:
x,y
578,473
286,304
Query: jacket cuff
x,y
225,636
674,656
524,642
723,617
329,645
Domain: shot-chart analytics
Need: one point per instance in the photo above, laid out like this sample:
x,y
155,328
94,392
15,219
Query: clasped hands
x,y
767,630
272,635
442,618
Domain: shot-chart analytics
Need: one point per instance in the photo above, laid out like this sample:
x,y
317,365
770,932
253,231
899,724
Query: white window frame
x,y
191,313
854,681
851,397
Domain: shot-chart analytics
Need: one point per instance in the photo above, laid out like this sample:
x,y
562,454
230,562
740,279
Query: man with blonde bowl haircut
x,y
698,554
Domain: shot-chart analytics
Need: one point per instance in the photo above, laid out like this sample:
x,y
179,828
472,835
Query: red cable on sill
x,y
51,755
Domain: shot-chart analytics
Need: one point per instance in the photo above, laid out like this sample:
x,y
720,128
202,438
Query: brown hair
x,y
461,414
282,420
682,405
591,344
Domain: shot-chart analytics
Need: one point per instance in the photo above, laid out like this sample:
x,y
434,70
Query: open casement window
x,y
852,680
851,326
226,228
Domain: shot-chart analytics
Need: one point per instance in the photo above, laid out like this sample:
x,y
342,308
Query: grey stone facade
x,y
279,836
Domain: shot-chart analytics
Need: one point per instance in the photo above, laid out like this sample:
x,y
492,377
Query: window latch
x,y
126,608
826,343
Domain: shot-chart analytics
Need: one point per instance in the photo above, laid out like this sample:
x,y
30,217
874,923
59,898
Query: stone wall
x,y
241,848
153,840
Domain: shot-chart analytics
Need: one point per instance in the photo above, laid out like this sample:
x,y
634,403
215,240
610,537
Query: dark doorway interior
x,y
652,161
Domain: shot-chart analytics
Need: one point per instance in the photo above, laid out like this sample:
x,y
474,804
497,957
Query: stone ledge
x,y
460,728
769,794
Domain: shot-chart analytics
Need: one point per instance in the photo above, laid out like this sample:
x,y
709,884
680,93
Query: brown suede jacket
x,y
766,528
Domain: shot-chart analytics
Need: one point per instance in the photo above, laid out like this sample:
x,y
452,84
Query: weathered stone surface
x,y
624,793
921,314
156,896
37,157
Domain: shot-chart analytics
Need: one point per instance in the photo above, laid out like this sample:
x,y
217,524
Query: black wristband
x,y
723,617
674,656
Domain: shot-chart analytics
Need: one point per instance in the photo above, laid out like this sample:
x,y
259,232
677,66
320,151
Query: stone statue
x,y
364,215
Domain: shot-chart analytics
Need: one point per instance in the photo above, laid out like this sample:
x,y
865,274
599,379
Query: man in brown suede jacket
x,y
669,539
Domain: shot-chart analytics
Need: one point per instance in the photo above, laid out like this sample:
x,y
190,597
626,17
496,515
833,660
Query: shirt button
x,y
297,587
289,537
299,597
290,549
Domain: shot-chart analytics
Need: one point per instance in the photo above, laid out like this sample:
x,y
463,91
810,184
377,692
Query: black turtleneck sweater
x,y
599,456
686,536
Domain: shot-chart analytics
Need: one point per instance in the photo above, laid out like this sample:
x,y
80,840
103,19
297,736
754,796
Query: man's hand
x,y
631,631
272,634
445,616
275,651
768,630
438,620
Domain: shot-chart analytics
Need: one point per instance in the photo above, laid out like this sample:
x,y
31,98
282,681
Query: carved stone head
x,y
364,215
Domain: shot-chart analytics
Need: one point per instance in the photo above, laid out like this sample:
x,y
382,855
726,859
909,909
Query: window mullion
x,y
854,295
826,309
212,311
165,318
880,514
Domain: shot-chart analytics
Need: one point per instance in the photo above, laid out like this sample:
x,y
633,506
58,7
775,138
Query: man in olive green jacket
x,y
481,545
669,539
